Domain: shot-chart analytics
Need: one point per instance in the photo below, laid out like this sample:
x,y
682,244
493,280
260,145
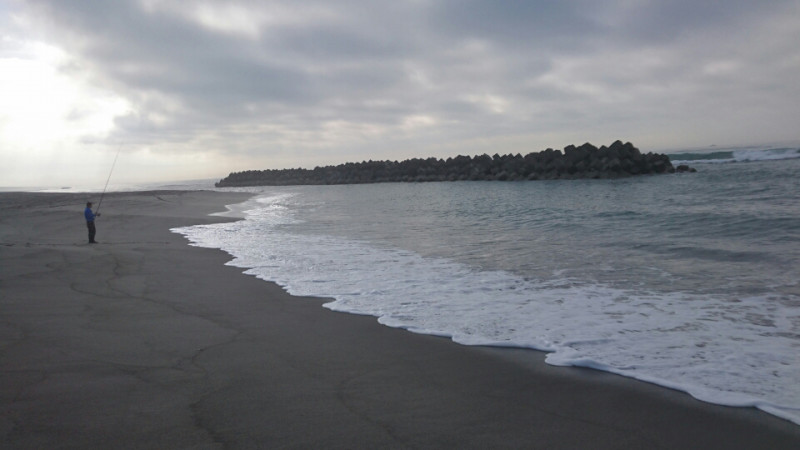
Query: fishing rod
x,y
97,211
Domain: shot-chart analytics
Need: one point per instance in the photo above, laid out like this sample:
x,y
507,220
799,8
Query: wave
x,y
677,339
735,155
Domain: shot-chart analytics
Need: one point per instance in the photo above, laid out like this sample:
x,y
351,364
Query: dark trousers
x,y
92,230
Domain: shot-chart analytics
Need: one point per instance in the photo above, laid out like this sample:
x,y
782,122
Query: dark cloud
x,y
518,25
664,21
349,72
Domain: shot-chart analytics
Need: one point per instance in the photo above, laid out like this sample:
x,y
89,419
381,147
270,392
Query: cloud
x,y
312,82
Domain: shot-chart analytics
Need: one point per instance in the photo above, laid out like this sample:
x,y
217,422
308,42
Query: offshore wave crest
x,y
735,155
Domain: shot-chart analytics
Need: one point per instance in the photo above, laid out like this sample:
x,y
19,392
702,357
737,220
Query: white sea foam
x,y
737,352
765,155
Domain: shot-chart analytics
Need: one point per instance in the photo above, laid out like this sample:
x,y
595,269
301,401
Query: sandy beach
x,y
143,341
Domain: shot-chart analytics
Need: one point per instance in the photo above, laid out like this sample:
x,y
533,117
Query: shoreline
x,y
145,341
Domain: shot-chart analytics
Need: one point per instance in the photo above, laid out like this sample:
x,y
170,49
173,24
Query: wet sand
x,y
143,341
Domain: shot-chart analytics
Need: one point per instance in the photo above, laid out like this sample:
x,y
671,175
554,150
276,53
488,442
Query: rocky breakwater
x,y
587,161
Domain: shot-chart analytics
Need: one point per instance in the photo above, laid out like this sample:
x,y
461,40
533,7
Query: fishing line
x,y
97,211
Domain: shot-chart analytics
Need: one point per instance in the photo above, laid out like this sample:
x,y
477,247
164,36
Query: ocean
x,y
689,281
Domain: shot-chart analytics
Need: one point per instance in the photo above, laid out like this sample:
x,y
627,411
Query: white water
x,y
731,350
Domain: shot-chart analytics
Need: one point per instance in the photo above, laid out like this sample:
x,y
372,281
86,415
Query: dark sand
x,y
143,341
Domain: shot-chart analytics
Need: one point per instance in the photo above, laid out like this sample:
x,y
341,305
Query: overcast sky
x,y
199,88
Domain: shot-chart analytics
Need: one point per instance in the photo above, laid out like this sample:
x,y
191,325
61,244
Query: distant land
x,y
587,161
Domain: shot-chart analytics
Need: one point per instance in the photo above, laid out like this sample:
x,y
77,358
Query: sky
x,y
196,89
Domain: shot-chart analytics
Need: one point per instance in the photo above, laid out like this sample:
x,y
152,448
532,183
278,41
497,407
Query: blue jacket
x,y
88,214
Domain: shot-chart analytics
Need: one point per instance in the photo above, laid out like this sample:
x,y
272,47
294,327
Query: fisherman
x,y
90,221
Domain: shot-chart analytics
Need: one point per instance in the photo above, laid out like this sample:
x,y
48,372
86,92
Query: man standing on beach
x,y
90,221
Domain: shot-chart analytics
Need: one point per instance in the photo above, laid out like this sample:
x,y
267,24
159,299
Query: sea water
x,y
689,281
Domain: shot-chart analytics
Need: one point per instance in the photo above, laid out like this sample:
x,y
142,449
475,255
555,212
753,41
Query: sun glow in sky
x,y
44,107
196,89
